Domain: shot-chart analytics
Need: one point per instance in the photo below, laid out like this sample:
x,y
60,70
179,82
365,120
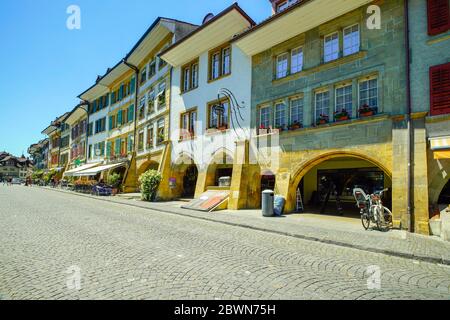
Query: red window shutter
x,y
440,89
438,16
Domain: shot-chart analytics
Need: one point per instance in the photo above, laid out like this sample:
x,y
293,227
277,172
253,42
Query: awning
x,y
303,16
73,172
440,143
94,171
445,154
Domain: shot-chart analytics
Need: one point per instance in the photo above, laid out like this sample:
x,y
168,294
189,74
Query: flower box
x,y
366,114
366,111
295,126
323,119
343,118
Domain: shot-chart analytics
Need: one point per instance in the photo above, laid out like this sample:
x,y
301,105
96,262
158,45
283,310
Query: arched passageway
x,y
444,196
326,185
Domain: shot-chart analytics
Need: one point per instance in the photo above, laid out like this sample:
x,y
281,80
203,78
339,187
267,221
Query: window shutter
x,y
121,92
108,149
440,89
133,85
131,113
438,16
130,144
119,118
107,100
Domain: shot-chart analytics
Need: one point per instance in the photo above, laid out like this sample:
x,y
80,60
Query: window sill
x,y
219,78
377,117
438,38
187,139
321,67
190,90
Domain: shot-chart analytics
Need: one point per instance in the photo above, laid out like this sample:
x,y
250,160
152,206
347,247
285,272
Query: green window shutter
x,y
133,85
131,113
113,97
117,150
130,144
110,122
107,100
108,149
119,118
121,92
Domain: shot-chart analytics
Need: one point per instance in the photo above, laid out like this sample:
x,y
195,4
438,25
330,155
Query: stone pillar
x,y
246,182
400,173
420,178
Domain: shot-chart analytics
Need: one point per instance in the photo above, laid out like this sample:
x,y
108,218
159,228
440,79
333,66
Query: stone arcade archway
x,y
308,164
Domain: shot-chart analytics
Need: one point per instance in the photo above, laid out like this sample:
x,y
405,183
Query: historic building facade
x,y
430,95
210,107
334,92
39,154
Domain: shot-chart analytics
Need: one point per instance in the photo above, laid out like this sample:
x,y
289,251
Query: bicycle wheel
x,y
365,219
380,215
387,217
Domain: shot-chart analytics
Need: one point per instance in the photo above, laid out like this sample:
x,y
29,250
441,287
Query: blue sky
x,y
44,66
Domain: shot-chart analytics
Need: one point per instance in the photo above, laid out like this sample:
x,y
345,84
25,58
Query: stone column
x,y
420,176
400,173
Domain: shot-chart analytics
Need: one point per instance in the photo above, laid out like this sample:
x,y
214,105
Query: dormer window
x,y
283,5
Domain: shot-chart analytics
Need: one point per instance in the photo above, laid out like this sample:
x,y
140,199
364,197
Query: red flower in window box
x,y
366,111
342,115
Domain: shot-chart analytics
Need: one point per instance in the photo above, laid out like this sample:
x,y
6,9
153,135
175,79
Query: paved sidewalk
x,y
334,230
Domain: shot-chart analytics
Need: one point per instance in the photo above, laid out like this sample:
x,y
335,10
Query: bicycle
x,y
372,209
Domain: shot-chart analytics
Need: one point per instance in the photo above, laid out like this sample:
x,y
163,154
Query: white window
x,y
285,4
344,99
151,101
186,77
368,93
215,66
282,6
296,60
331,47
195,75
296,111
226,60
351,40
322,104
282,65
193,122
264,117
280,115
162,87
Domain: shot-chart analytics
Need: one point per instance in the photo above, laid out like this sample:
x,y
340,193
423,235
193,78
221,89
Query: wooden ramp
x,y
209,201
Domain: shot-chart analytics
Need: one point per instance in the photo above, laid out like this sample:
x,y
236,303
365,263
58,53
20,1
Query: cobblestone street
x,y
124,252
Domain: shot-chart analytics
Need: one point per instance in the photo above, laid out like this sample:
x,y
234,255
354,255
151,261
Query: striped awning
x,y
72,172
96,170
440,143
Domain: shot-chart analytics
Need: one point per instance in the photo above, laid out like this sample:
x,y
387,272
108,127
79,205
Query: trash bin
x,y
278,206
267,203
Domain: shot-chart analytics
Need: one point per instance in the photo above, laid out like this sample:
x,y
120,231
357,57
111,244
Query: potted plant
x,y
366,111
295,125
341,115
161,137
150,182
323,119
114,182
